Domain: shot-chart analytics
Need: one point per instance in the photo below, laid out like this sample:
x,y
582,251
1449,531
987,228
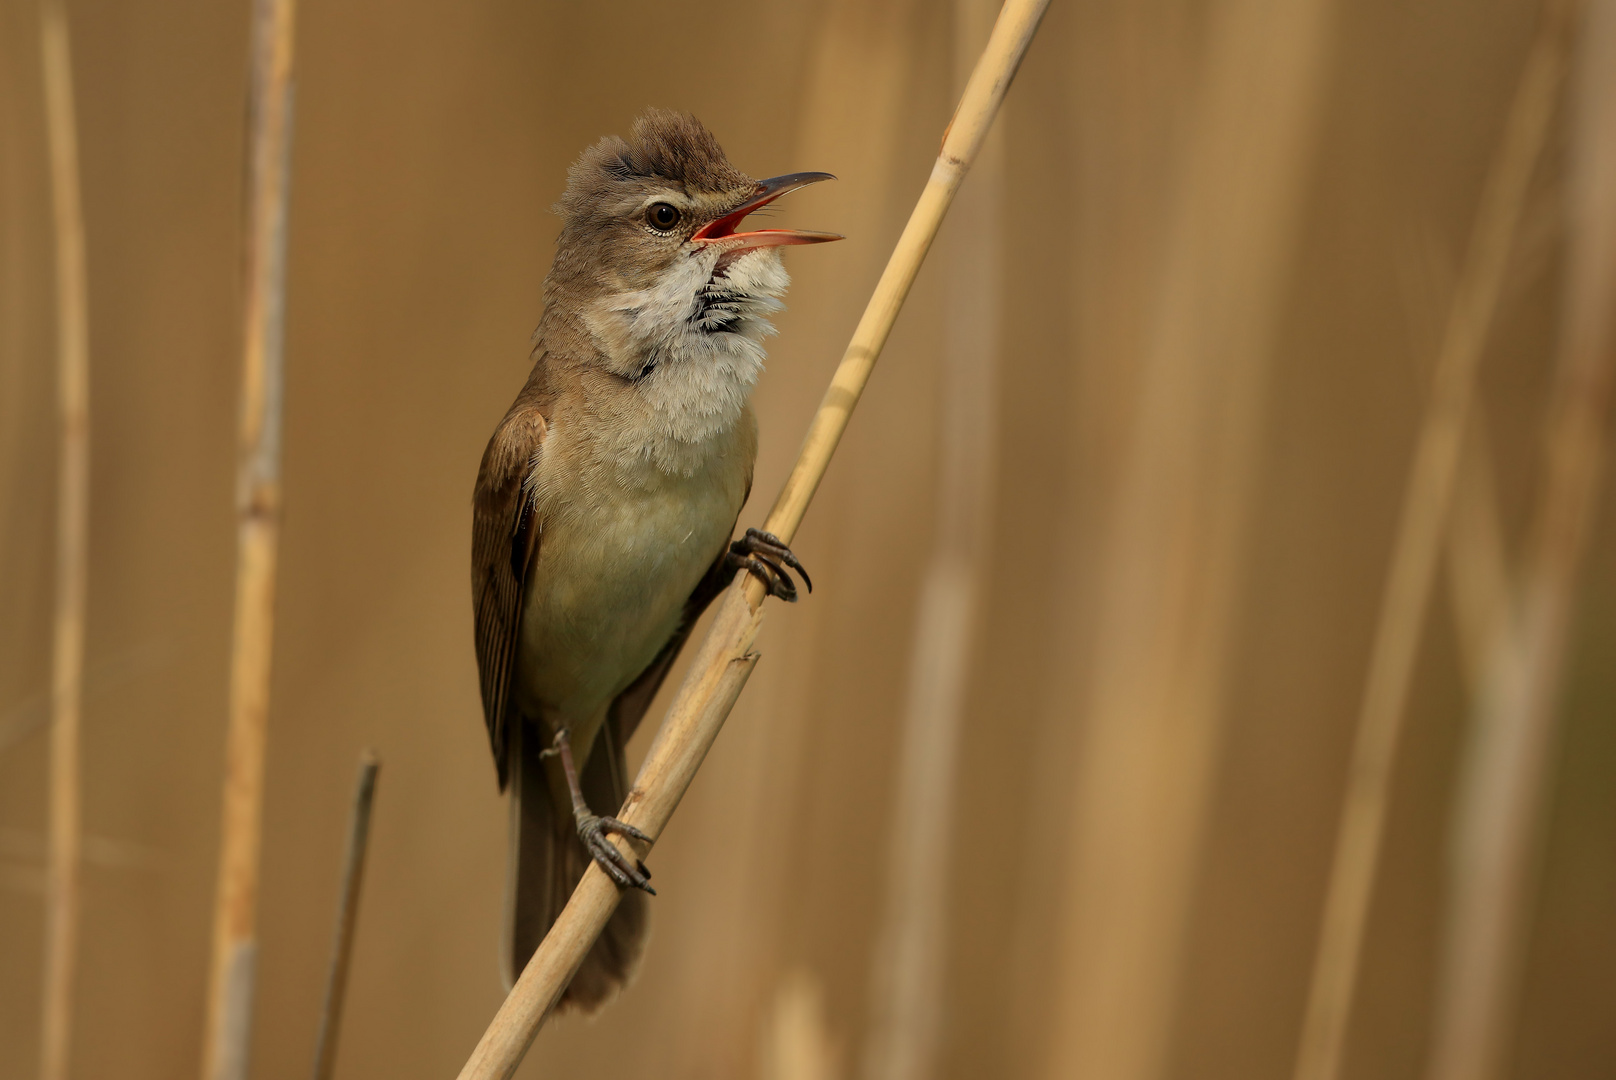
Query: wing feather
x,y
505,539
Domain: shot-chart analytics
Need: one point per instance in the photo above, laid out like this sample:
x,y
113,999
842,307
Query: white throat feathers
x,y
693,345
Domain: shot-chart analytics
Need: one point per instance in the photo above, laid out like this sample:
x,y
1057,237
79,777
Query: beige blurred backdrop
x,y
1225,233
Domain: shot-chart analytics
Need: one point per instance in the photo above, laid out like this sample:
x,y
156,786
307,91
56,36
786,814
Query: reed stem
x,y
1422,526
72,545
258,499
1195,355
1509,759
353,874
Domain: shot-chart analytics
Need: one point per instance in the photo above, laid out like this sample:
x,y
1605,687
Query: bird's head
x,y
651,245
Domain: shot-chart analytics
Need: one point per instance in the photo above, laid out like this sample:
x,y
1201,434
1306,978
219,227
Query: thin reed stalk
x,y
72,545
1479,579
1509,760
796,1045
353,874
1423,523
1480,589
258,500
1130,71
1170,572
908,976
725,659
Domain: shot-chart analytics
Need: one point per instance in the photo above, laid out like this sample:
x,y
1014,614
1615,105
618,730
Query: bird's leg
x,y
761,554
593,829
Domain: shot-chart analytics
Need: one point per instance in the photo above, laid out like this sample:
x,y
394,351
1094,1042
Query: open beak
x,y
723,229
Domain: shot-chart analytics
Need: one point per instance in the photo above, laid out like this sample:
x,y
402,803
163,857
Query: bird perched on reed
x,y
607,498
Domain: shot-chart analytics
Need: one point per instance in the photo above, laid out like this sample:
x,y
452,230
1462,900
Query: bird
x,y
606,500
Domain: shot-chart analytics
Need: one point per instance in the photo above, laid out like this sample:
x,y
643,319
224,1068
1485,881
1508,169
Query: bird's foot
x,y
765,556
594,830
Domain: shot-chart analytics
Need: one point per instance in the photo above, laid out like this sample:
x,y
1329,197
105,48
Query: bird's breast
x,y
620,552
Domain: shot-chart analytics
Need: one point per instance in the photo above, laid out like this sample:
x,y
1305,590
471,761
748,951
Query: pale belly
x,y
608,591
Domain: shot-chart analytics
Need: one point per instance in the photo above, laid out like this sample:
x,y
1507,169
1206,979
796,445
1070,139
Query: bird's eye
x,y
662,216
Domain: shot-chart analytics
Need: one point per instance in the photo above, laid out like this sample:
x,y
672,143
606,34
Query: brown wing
x,y
504,540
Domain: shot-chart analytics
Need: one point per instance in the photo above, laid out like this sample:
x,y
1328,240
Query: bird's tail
x,y
547,860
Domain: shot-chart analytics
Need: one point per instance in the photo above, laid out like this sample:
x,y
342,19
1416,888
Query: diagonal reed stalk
x,y
1479,583
72,545
1479,578
1421,528
725,659
353,874
258,500
1510,757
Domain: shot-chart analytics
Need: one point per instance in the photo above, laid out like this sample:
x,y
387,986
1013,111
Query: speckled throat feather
x,y
692,345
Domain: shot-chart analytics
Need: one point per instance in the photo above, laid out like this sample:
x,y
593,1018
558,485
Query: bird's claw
x,y
762,554
594,831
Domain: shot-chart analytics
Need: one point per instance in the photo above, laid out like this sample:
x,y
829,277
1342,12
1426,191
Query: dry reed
x,y
908,975
353,873
72,545
269,139
1510,757
796,1044
1479,587
1482,593
1171,566
725,659
1423,523
1129,72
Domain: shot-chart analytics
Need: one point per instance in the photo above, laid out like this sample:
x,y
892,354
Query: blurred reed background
x,y
1183,325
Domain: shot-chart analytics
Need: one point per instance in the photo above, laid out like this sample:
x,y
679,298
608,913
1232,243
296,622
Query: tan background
x,y
431,139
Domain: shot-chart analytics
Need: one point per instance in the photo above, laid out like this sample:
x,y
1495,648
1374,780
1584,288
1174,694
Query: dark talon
x,y
777,548
593,830
622,828
772,565
757,552
774,579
